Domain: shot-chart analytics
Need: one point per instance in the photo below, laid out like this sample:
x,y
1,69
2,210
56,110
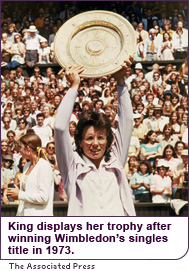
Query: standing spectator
x,y
5,127
166,48
180,41
32,42
46,30
152,47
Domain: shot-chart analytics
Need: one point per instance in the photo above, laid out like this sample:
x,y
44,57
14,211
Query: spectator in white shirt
x,y
44,132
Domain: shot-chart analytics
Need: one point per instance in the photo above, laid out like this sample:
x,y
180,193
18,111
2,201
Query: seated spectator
x,y
43,52
4,147
185,137
139,130
166,48
72,130
174,123
160,121
12,33
131,167
150,148
6,176
5,49
52,36
167,109
21,129
18,176
180,174
179,147
170,158
48,121
142,34
44,132
160,186
184,123
134,147
13,145
46,30
17,52
5,127
175,101
8,112
140,182
26,113
167,137
167,28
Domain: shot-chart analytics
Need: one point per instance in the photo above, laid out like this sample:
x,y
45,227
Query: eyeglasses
x,y
10,136
7,112
27,110
6,122
4,145
21,122
51,148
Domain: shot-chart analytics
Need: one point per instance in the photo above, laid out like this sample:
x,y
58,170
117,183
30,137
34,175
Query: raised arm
x,y
125,116
64,149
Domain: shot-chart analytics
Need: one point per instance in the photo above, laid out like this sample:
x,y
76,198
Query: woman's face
x,y
72,129
24,162
174,100
4,146
46,111
152,137
173,76
169,154
23,150
180,148
174,117
162,171
185,117
143,168
166,37
22,125
168,107
93,143
174,89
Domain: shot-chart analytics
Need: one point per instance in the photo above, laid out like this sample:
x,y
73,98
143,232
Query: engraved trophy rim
x,y
82,41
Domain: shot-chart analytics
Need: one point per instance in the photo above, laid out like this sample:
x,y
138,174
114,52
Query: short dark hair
x,y
40,115
99,121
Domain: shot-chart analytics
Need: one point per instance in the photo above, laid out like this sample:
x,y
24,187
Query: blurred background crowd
x,y
33,85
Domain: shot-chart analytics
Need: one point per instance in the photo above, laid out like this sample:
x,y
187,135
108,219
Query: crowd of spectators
x,y
30,98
